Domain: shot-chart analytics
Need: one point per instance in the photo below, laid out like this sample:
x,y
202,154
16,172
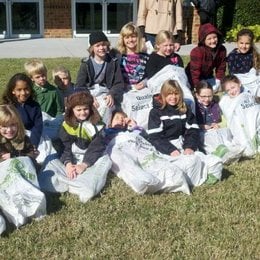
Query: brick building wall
x,y
57,19
195,26
191,23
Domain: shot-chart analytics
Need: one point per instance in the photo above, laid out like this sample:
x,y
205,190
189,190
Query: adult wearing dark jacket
x,y
207,10
208,59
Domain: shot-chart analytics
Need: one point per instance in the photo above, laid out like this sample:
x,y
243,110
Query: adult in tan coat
x,y
156,15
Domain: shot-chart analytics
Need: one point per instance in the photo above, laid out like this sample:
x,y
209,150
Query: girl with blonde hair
x,y
163,55
173,130
13,141
171,119
133,58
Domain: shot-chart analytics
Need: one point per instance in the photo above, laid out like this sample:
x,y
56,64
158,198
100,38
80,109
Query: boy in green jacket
x,y
45,93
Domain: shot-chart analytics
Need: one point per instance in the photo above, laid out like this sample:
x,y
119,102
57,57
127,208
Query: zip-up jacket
x,y
208,115
113,77
86,137
169,124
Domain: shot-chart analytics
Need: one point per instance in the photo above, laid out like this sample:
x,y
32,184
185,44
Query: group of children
x,y
95,126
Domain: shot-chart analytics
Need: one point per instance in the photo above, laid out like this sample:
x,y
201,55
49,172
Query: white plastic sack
x,y
220,143
46,149
243,120
149,47
250,81
51,125
53,178
100,92
211,164
175,73
2,224
20,197
137,105
146,170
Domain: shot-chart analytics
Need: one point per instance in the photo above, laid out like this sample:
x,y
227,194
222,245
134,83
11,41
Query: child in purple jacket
x,y
215,139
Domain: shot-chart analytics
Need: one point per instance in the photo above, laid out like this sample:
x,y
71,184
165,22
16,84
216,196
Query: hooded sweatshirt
x,y
205,62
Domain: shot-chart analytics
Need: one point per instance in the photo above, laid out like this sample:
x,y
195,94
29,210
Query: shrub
x,y
237,12
232,34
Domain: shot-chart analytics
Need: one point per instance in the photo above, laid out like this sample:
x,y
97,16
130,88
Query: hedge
x,y
238,12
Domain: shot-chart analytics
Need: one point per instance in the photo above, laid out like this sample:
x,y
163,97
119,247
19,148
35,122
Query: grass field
x,y
215,222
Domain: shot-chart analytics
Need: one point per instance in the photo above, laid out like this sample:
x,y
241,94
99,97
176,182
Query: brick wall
x,y
195,26
57,19
191,23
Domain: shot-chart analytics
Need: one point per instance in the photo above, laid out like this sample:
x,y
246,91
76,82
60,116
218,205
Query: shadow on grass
x,y
226,174
53,201
110,177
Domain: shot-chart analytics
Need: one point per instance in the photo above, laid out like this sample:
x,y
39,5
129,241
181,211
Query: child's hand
x,y
109,100
175,153
214,125
139,85
6,156
188,151
206,127
71,171
177,46
130,122
80,168
96,104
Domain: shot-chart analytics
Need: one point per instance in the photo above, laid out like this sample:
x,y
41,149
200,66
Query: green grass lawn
x,y
215,222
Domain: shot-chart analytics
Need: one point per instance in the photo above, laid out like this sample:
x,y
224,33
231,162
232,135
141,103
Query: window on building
x,y
106,15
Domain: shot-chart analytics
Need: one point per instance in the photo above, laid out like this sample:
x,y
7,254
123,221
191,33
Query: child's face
x,y
62,80
130,42
244,44
9,131
21,91
172,99
211,40
100,49
81,112
118,121
232,88
166,48
205,97
39,79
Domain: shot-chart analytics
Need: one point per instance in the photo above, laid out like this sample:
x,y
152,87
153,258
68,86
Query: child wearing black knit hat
x,y
101,75
97,37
